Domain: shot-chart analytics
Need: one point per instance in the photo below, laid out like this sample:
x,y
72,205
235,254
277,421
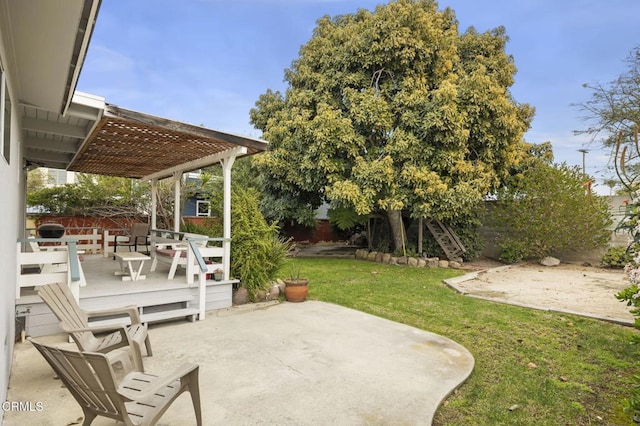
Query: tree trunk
x,y
397,229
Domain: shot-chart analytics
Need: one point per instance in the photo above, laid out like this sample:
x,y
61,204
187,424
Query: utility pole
x,y
587,183
584,164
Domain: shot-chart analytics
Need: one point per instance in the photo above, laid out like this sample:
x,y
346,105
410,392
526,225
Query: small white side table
x,y
127,271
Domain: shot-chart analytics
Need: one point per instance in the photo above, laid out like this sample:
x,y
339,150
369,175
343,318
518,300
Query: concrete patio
x,y
287,364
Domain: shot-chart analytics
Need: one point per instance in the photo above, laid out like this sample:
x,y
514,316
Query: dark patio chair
x,y
138,236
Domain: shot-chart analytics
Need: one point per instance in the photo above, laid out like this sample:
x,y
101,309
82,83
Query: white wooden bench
x,y
177,253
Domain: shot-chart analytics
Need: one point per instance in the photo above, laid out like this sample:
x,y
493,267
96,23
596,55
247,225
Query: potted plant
x,y
296,288
218,274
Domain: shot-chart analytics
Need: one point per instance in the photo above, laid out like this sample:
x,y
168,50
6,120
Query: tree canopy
x,y
394,110
102,196
91,194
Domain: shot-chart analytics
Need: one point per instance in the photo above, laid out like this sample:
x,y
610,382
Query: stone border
x,y
416,262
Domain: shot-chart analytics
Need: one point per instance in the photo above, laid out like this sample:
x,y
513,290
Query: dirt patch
x,y
583,290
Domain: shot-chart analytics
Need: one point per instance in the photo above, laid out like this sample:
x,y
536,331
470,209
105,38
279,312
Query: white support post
x,y
105,243
154,203
177,178
227,163
202,287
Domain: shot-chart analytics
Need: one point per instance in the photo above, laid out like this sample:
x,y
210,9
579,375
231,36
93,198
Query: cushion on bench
x,y
170,252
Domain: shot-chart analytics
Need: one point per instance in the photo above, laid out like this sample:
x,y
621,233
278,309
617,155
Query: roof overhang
x,y
52,139
46,44
131,144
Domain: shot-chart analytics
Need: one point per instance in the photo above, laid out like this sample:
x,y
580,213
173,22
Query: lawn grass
x,y
583,370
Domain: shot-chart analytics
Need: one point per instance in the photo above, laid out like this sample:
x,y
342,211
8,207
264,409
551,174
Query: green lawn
x,y
584,367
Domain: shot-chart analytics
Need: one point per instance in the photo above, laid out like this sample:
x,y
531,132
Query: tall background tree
x,y
613,116
393,110
614,107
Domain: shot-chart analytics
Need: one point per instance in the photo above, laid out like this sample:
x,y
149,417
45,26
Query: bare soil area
x,y
583,290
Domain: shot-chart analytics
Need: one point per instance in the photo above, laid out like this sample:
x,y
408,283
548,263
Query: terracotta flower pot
x,y
296,290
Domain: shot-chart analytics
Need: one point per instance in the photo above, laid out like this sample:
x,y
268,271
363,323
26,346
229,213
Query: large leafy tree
x,y
394,110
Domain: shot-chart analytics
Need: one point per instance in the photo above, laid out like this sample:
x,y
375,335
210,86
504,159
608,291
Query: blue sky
x,y
206,62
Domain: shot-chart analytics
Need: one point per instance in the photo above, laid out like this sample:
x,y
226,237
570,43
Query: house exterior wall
x,y
12,181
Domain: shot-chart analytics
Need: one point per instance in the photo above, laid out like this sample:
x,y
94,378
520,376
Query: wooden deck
x,y
157,297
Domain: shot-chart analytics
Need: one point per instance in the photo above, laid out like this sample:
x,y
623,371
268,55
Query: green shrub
x,y
211,227
511,251
257,252
547,211
617,257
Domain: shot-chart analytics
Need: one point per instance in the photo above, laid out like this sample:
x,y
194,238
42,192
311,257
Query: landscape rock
x,y
454,264
281,285
379,257
372,255
412,261
402,260
386,258
550,261
443,264
422,263
274,293
393,260
241,296
432,262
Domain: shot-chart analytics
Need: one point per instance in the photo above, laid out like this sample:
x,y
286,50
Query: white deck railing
x,y
88,238
199,253
40,265
57,260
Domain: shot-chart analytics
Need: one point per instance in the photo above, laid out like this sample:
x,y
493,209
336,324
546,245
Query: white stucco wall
x,y
11,224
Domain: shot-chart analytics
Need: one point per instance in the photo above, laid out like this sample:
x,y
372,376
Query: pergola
x,y
99,138
131,144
